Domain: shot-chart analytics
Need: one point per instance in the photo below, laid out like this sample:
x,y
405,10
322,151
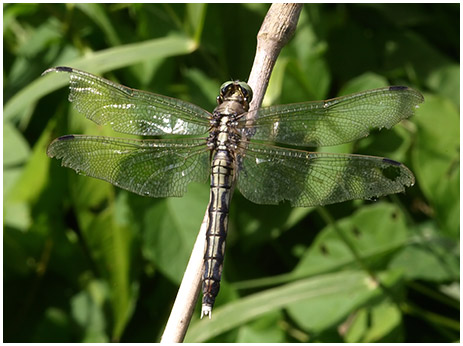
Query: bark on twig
x,y
276,30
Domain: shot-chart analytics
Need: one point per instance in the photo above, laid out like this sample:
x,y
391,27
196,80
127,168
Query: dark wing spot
x,y
397,88
392,162
63,69
66,137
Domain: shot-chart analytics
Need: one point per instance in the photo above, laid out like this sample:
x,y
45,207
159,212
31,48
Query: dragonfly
x,y
234,147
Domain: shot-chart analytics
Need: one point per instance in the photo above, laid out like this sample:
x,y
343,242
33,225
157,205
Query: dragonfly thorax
x,y
224,133
233,102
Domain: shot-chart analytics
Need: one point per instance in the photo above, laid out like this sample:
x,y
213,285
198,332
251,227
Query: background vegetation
x,y
86,262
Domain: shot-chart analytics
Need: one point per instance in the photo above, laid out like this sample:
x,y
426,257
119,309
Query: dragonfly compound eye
x,y
224,87
246,90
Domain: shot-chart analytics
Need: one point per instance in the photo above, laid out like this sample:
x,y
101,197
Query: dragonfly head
x,y
235,91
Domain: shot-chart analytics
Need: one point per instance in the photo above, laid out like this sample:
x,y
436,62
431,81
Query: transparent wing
x,y
132,111
155,168
336,121
269,175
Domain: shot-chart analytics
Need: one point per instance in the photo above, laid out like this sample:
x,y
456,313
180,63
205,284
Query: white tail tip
x,y
206,310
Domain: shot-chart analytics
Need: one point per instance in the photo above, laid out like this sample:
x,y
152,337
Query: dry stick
x,y
185,301
276,30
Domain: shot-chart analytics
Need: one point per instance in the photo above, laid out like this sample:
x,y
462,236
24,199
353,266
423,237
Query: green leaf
x,y
375,231
33,178
275,85
378,323
15,153
34,175
201,89
436,160
431,257
171,227
337,298
196,14
310,67
87,309
261,223
98,14
40,38
302,299
111,240
365,81
15,148
99,62
262,330
445,81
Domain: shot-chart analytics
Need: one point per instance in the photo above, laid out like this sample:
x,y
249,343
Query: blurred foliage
x,y
86,262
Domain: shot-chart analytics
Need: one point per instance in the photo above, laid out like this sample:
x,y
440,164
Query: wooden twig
x,y
187,295
276,30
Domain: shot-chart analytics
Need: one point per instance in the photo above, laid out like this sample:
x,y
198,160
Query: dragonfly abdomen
x,y
221,191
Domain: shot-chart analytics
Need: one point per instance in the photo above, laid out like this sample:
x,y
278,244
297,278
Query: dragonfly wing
x,y
155,168
132,111
336,121
269,175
